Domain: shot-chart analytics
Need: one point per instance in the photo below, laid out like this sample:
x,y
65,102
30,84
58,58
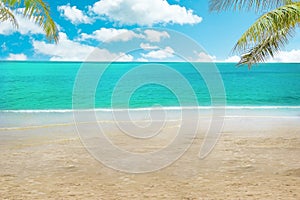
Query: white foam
x,y
154,108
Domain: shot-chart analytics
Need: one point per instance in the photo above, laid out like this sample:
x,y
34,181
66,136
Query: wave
x,y
152,109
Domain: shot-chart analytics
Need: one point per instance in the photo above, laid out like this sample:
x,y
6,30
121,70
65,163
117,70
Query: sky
x,y
135,30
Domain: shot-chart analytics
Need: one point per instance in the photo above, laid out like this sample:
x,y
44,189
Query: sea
x,y
38,94
53,86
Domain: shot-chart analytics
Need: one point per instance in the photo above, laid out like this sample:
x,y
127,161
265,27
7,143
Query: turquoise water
x,y
49,85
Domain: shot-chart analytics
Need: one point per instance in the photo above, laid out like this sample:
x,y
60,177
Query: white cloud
x,y
73,14
20,56
204,57
147,46
233,59
160,54
141,60
113,35
110,34
144,12
281,57
68,50
123,57
25,26
286,56
156,36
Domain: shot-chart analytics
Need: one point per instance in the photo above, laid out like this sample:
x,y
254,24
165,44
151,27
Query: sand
x,y
257,157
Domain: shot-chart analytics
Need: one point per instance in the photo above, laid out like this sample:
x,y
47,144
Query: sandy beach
x,y
160,99
257,157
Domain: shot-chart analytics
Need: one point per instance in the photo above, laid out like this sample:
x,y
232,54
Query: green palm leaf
x,y
266,48
35,10
268,34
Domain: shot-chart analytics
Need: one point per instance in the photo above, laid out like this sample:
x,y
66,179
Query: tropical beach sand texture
x,y
257,157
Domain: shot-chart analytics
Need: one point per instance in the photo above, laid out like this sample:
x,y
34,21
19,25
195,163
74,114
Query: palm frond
x,y
269,33
7,15
266,48
257,5
37,11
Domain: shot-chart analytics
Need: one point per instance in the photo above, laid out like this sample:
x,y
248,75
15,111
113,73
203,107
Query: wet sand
x,y
257,157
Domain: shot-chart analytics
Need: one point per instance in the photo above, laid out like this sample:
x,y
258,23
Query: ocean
x,y
50,85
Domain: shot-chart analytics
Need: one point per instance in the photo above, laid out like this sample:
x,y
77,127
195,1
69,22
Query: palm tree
x,y
269,33
35,10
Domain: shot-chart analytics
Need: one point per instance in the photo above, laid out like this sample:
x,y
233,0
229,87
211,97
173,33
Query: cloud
x,y
147,46
20,56
156,36
142,60
281,57
68,50
233,59
124,35
144,12
26,26
204,57
286,56
167,52
74,15
123,57
110,34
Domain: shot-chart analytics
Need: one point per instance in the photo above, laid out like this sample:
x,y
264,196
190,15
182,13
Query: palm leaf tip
x,y
7,15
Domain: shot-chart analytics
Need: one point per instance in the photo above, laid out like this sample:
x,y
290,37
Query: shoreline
x,y
18,119
231,107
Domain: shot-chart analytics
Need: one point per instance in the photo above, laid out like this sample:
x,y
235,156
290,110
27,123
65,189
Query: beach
x,y
158,99
141,132
256,157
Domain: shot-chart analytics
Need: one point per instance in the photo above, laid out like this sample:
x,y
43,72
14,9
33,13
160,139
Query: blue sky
x,y
114,28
